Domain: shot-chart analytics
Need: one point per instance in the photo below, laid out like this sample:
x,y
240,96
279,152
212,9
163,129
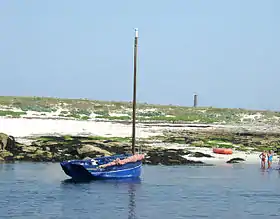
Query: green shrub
x,y
11,113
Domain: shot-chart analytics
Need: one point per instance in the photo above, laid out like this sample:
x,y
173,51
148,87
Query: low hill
x,y
84,109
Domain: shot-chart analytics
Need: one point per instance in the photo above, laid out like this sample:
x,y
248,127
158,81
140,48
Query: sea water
x,y
42,190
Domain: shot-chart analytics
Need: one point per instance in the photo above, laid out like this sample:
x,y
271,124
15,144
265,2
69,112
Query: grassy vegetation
x,y
72,138
82,109
117,139
114,117
246,141
11,113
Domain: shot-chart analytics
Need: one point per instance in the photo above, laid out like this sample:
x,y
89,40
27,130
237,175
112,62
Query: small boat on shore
x,y
120,166
222,150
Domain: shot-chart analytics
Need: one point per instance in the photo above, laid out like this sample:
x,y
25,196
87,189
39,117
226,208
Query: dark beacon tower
x,y
195,100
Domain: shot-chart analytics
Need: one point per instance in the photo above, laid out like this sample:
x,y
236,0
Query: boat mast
x,y
134,91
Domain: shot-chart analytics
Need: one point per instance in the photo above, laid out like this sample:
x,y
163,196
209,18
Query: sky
x,y
225,51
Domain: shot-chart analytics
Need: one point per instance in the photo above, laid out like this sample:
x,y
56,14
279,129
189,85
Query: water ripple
x,y
41,191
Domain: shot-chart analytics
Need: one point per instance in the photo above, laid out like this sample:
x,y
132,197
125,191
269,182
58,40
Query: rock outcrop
x,y
236,160
239,139
7,142
168,157
59,148
53,148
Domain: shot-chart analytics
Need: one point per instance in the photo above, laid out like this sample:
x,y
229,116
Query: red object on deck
x,y
222,150
133,158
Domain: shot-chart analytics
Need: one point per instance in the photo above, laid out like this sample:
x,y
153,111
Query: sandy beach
x,y
24,127
21,127
250,158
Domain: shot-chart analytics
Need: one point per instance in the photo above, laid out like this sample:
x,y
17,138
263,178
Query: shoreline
x,y
167,144
210,164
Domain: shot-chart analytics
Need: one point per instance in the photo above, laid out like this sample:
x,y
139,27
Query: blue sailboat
x,y
120,166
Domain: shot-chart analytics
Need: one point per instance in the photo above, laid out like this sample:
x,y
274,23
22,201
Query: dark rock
x,y
167,157
54,148
91,151
7,142
188,140
183,152
199,154
235,160
6,155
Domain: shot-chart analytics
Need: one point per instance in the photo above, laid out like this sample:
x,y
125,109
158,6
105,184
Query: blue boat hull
x,y
83,170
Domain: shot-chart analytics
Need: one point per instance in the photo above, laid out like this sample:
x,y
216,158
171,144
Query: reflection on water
x,y
128,181
129,184
132,203
6,167
34,190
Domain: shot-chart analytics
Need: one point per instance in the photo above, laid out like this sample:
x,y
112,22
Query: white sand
x,y
250,158
27,127
22,127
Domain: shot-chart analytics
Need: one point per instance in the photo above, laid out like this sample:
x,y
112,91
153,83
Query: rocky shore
x,y
183,147
53,130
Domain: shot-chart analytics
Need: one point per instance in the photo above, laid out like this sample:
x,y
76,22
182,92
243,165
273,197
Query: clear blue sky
x,y
226,51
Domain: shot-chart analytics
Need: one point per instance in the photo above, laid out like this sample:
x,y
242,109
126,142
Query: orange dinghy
x,y
222,150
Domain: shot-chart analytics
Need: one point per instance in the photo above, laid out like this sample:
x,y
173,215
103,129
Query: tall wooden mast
x,y
134,90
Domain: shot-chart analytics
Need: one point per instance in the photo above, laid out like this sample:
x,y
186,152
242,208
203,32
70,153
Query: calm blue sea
x,y
38,190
